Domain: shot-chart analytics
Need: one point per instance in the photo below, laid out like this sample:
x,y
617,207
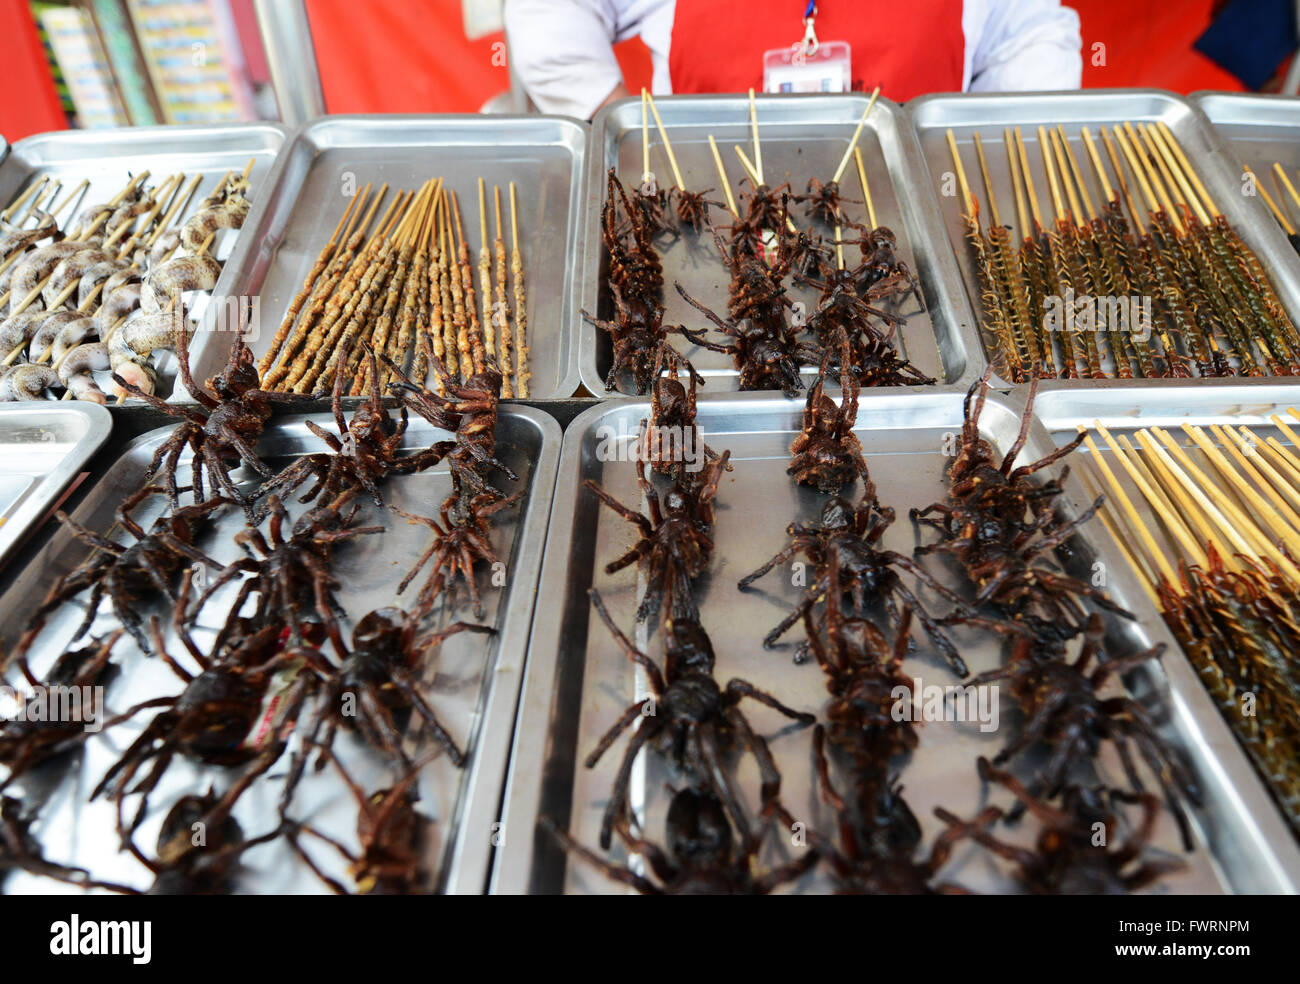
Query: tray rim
x,y
950,295
1181,690
99,425
304,142
1277,255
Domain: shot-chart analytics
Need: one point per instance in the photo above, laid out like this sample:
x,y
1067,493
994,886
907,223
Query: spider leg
x,y
615,872
440,734
617,804
737,689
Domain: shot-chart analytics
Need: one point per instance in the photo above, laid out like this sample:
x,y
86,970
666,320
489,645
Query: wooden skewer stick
x,y
1140,567
994,218
1148,485
1163,198
502,308
1250,452
1243,522
1251,472
54,212
1281,527
663,135
1077,175
522,372
1133,210
1100,171
1179,489
645,140
1290,188
1044,145
758,147
722,176
853,144
40,203
866,189
485,276
21,200
1175,171
1281,425
968,203
1017,186
1076,210
1027,174
1104,467
1195,179
1281,216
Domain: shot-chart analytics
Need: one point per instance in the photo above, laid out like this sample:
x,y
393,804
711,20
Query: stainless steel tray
x,y
473,686
802,137
933,115
107,159
331,157
1124,411
1259,130
577,681
42,448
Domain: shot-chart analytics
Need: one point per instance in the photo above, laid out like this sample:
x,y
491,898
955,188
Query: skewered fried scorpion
x,y
695,719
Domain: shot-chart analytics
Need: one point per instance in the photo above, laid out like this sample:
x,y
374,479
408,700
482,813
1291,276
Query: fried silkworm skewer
x,y
323,261
485,275
415,298
522,373
324,300
502,307
395,300
467,344
353,290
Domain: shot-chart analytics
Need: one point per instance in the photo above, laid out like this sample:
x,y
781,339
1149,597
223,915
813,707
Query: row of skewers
x,y
1166,290
412,277
1220,565
279,681
857,612
1281,213
766,253
106,293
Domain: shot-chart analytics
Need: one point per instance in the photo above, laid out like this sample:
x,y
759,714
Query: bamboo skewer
x,y
21,200
722,176
502,307
1281,216
866,189
758,147
521,316
470,344
853,143
668,147
485,276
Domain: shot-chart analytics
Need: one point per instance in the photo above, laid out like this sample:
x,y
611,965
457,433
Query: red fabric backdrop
x,y
395,56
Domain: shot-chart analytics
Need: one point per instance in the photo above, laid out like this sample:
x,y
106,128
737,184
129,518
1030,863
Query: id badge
x,y
795,69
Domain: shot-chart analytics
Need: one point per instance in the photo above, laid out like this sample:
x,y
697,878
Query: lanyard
x,y
810,42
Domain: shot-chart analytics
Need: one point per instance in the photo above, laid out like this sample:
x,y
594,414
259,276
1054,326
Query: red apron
x,y
907,47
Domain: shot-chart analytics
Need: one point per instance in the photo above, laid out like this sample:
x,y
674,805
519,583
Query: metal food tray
x,y
577,680
330,158
108,158
933,115
1259,129
43,446
474,686
802,137
1126,410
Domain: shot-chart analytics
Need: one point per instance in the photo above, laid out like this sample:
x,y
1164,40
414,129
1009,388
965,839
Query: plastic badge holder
x,y
795,69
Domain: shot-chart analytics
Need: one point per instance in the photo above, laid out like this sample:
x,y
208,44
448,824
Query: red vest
x,y
907,47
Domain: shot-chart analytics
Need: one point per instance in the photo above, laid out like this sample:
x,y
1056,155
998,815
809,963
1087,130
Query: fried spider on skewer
x,y
222,431
826,454
696,721
365,451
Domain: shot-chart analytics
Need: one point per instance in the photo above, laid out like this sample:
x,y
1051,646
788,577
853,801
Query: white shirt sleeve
x,y
1021,45
562,50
